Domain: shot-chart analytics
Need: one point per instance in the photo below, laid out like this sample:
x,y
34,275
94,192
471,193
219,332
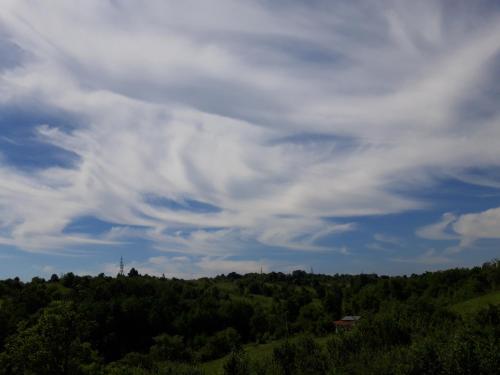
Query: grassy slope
x,y
475,304
253,352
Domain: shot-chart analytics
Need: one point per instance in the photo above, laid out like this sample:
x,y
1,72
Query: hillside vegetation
x,y
444,322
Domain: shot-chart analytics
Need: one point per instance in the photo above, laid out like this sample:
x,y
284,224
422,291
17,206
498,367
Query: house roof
x,y
351,318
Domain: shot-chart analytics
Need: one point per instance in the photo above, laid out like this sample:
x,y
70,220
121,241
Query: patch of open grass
x,y
254,352
474,304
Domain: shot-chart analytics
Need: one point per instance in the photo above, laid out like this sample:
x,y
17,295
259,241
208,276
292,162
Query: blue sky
x,y
197,138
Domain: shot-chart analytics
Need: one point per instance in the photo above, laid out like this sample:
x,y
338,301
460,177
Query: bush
x,y
284,358
170,348
220,344
309,357
237,363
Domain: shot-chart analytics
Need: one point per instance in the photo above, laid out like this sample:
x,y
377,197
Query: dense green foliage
x,y
147,325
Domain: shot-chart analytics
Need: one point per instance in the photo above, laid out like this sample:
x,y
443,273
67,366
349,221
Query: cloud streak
x,y
466,228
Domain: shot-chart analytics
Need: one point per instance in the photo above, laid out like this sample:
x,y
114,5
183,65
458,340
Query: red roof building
x,y
346,323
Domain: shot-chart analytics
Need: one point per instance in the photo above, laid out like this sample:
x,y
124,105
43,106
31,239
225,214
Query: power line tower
x,y
121,266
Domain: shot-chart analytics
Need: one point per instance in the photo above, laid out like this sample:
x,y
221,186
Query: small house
x,y
346,323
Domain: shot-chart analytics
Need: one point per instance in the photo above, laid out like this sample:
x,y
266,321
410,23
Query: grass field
x,y
253,352
475,304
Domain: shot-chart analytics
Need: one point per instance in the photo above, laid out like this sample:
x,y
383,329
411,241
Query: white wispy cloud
x,y
484,224
387,239
430,257
384,242
440,230
466,228
214,102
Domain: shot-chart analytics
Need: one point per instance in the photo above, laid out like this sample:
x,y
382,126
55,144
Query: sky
x,y
194,138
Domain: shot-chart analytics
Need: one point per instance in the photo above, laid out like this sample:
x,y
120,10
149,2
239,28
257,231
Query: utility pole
x,y
121,266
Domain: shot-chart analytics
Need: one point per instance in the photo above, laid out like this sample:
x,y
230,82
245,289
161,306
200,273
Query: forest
x,y
445,322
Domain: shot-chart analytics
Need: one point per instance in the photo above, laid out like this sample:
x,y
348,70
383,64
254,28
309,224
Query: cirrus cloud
x,y
280,118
